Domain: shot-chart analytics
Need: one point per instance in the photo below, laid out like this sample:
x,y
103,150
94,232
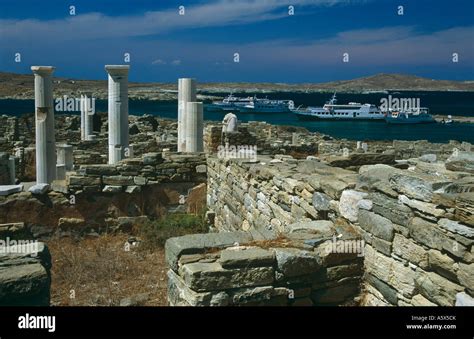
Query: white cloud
x,y
158,62
98,26
385,46
176,62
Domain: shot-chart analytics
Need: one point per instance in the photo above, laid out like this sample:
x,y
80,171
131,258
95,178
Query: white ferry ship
x,y
251,105
409,116
333,111
267,106
229,103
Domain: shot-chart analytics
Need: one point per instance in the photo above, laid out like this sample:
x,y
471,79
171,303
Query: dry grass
x,y
279,242
100,271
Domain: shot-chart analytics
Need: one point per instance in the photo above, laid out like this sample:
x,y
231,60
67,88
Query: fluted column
x,y
64,160
118,111
194,127
45,135
186,93
87,116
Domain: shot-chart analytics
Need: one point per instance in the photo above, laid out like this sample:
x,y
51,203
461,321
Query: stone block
x,y
377,225
430,234
466,275
464,299
442,264
10,189
78,180
24,275
387,291
259,295
112,189
181,295
409,250
335,252
456,227
246,257
391,209
118,180
421,206
419,300
198,243
321,202
382,245
336,294
101,169
323,228
437,289
416,185
292,262
202,277
461,162
349,204
39,189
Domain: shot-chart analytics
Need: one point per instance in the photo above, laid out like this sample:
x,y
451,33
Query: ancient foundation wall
x,y
259,268
24,268
417,224
100,197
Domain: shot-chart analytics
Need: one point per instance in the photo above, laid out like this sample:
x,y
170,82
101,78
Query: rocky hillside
x,y
20,86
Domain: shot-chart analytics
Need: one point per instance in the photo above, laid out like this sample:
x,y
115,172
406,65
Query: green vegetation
x,y
155,233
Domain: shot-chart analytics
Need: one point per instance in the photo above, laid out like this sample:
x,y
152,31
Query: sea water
x,y
444,103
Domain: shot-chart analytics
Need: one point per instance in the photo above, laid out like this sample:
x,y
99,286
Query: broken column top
x,y
43,70
117,69
65,146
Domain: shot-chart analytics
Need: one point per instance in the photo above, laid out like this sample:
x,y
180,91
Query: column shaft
x,y
45,135
118,111
194,127
186,93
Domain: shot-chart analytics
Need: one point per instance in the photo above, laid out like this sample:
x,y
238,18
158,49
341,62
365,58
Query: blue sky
x,y
272,45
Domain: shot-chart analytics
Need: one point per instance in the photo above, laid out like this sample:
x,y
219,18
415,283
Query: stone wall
x,y
273,193
5,171
417,223
132,174
103,197
419,235
259,268
17,137
266,138
25,275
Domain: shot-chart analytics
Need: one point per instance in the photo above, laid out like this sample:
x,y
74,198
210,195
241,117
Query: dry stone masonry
x,y
24,268
258,268
296,218
414,217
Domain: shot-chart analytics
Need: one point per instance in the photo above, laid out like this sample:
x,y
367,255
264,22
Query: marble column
x,y
118,111
294,138
45,137
194,127
186,93
83,119
65,161
12,169
365,147
87,116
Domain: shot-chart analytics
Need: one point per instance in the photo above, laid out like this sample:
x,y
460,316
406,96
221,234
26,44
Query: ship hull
x,y
252,111
409,121
314,117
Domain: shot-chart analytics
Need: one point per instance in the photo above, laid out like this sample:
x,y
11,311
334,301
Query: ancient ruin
x,y
295,218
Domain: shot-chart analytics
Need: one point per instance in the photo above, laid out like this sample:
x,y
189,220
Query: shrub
x,y
155,233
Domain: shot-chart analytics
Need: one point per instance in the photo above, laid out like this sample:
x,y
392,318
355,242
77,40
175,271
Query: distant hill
x,y
21,86
384,81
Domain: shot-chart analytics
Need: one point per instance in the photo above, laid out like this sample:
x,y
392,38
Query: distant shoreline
x,y
21,86
219,93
